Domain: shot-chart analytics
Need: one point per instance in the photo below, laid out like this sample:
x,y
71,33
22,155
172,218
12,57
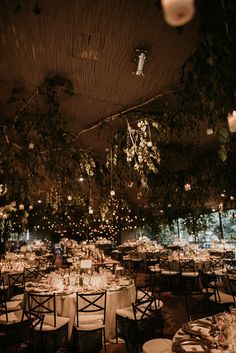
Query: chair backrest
x,y
30,274
35,320
41,262
217,264
208,282
42,274
187,266
3,305
148,320
144,309
16,280
132,273
228,255
88,303
206,267
144,293
164,263
232,284
42,304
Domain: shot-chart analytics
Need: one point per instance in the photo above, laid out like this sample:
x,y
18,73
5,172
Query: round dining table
x,y
210,334
116,298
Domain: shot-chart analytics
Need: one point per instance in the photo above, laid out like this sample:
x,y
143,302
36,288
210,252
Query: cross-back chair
x,y
90,317
16,285
222,299
167,274
12,323
189,274
196,306
217,266
35,324
53,325
7,306
147,301
131,273
148,292
147,322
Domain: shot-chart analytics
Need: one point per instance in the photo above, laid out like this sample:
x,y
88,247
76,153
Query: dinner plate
x,y
114,289
125,282
198,328
189,345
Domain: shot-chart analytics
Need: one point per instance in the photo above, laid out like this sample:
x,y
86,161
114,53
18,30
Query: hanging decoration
x,y
90,207
140,151
87,164
178,12
112,191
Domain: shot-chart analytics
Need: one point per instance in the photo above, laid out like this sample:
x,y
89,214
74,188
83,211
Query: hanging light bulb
x,y
232,121
112,191
178,12
187,187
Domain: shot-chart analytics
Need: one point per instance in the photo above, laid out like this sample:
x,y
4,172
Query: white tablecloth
x,y
66,306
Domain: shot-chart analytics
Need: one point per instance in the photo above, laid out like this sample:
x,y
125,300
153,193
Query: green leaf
x,y
224,134
223,153
210,60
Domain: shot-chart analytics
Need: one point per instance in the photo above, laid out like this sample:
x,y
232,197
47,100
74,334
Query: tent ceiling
x,y
93,43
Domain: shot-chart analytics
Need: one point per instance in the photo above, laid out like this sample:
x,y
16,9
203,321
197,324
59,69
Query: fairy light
x,y
112,191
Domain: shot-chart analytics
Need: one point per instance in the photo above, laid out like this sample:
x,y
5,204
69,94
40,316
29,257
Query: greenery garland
x,y
36,145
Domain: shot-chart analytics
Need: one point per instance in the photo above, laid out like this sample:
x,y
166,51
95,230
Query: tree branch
x,y
34,94
114,117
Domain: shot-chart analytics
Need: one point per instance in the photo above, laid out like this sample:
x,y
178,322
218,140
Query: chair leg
x,y
116,330
127,347
75,341
104,341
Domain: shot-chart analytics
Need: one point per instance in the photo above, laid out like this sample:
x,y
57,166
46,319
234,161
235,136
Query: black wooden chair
x,y
126,318
196,305
144,323
131,273
222,299
16,285
12,324
8,306
53,331
90,319
168,275
35,325
189,275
